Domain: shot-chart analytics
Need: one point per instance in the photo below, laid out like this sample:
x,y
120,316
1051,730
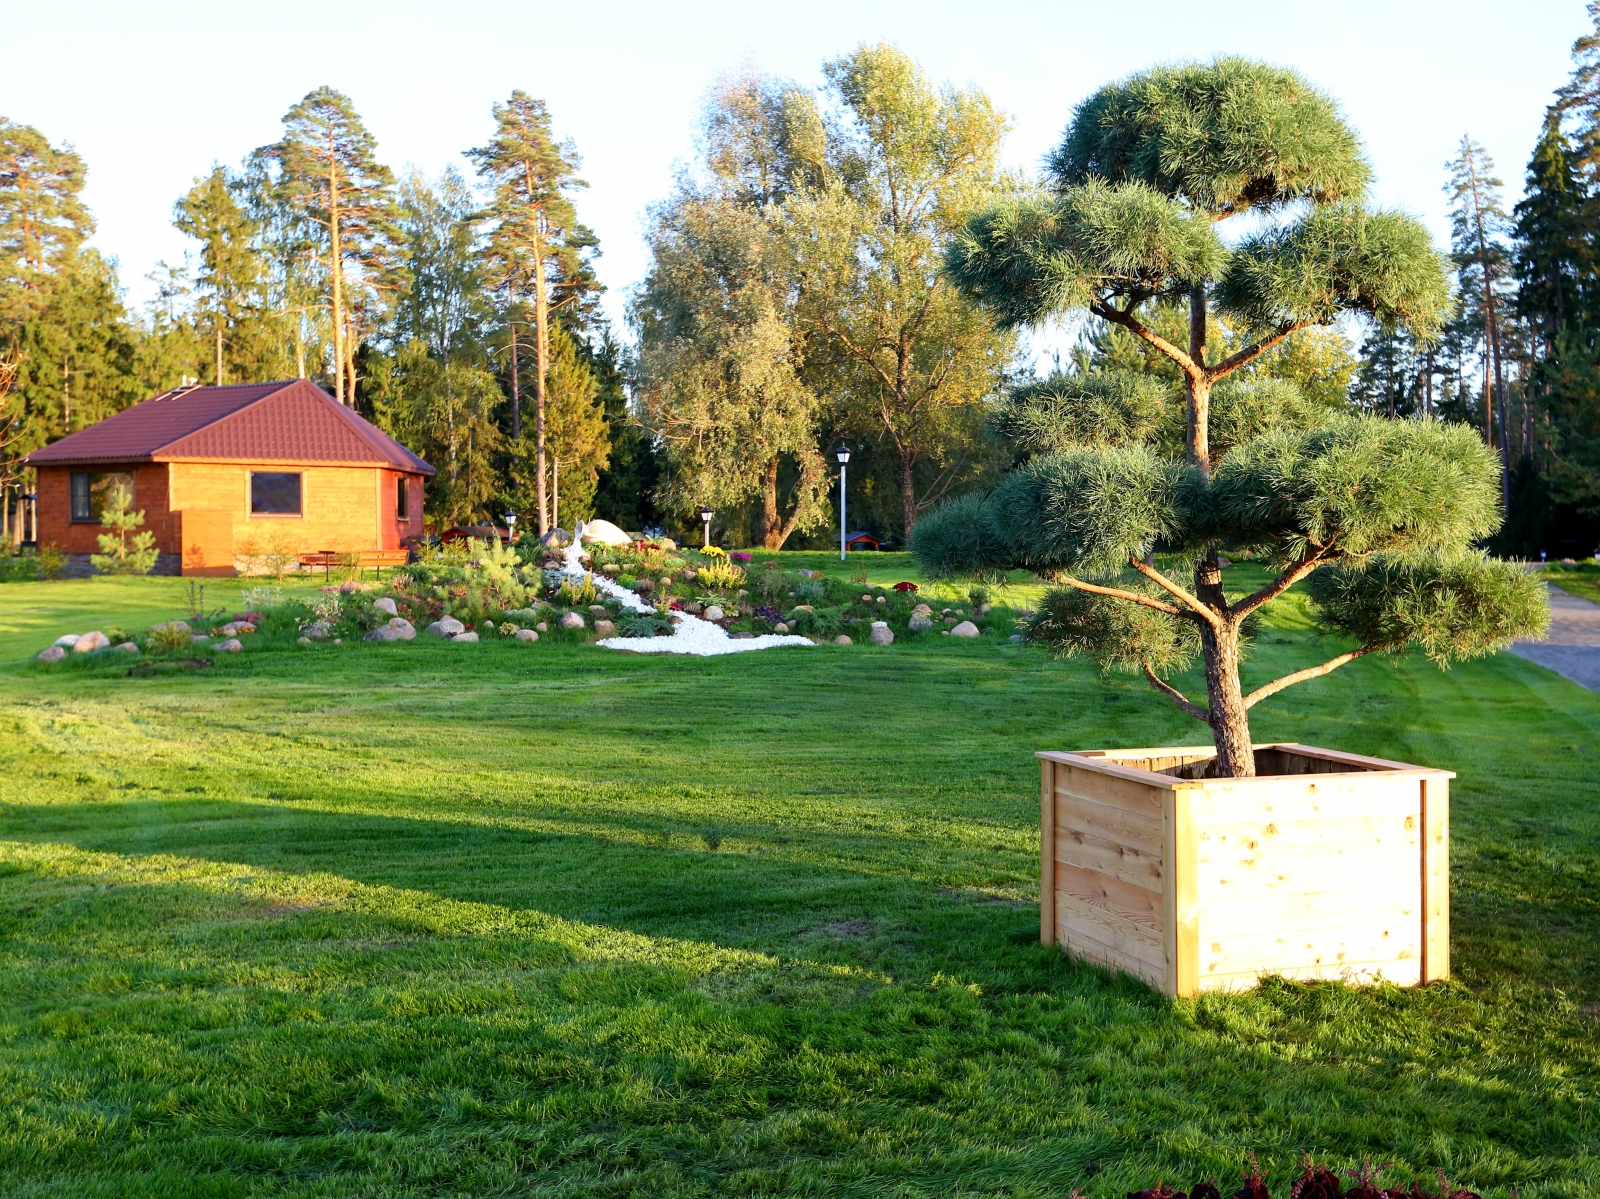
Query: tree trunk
x,y
219,350
541,351
336,264
908,493
1198,387
1230,722
771,522
516,395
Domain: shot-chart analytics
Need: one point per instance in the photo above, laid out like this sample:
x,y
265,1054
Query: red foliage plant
x,y
912,587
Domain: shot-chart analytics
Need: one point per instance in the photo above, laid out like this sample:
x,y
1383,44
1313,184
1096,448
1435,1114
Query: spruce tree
x,y
538,251
1378,516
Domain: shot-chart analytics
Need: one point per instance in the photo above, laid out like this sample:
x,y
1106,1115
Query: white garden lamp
x,y
511,526
843,453
705,518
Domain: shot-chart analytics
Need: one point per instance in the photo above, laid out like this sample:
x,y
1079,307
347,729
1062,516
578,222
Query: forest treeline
x,y
796,299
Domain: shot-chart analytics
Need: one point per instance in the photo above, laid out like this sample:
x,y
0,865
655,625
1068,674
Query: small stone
x,y
841,639
572,621
67,641
231,646
984,609
384,604
599,611
1016,638
965,629
693,609
526,635
486,627
920,622
338,640
713,613
740,636
881,633
542,627
883,599
667,544
949,620
780,627
611,568
666,580
468,636
53,653
866,599
448,626
199,638
317,630
304,641
127,647
90,642
924,609
604,628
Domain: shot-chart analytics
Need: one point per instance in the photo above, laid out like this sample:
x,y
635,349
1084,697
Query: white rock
x,y
841,639
713,613
526,635
604,628
304,641
53,653
542,627
921,622
231,646
603,532
465,637
780,627
384,604
127,647
398,629
881,633
965,629
66,641
449,626
90,642
572,621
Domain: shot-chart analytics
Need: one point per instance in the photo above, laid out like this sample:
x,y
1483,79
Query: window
x,y
91,490
274,494
402,499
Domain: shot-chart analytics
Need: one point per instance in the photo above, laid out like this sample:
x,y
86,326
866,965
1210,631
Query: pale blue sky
x,y
152,93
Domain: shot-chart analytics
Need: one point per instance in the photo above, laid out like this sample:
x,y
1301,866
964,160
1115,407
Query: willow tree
x,y
1379,516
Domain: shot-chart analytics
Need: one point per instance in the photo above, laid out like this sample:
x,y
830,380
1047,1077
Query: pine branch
x,y
1133,597
1300,676
1167,585
1307,563
1250,353
1131,323
1176,696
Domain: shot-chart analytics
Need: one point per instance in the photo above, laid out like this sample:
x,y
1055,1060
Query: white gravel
x,y
693,636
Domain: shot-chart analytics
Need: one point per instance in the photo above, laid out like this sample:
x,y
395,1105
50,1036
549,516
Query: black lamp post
x,y
705,518
843,454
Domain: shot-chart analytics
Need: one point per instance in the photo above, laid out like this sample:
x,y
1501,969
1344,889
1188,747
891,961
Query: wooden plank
x,y
1047,855
1124,862
1183,967
1120,827
1109,769
1309,797
1077,920
1102,788
1333,870
1280,952
1404,974
1101,955
1390,908
1357,761
1435,879
1138,904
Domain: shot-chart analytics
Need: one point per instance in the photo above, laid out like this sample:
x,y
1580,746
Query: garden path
x,y
1572,649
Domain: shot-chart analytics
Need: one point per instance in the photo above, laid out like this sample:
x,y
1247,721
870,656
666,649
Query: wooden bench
x,y
328,559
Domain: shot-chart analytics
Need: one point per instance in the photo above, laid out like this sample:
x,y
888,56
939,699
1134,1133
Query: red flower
x,y
905,586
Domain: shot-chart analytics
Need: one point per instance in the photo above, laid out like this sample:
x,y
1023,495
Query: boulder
x,y
467,636
231,646
780,627
127,647
841,639
599,611
66,642
556,537
604,628
924,609
304,641
713,613
611,568
965,629
572,621
53,653
603,532
398,629
526,635
447,626
693,609
317,630
921,622
384,604
881,633
542,627
90,642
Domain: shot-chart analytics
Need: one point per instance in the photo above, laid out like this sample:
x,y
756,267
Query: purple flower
x,y
740,557
768,612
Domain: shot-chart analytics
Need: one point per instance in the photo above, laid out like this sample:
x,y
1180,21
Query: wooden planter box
x,y
1325,865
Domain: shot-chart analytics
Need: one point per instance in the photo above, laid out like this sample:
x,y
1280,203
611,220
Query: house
x,y
223,472
862,540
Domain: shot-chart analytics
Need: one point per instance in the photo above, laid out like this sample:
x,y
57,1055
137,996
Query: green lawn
x,y
434,919
1582,580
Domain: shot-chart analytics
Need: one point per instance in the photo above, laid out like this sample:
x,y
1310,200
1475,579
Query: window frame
x,y
402,500
300,495
90,491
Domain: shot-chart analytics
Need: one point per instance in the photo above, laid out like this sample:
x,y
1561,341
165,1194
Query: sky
x,y
152,94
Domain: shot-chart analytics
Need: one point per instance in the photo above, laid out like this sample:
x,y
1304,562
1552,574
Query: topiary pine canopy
x,y
1380,516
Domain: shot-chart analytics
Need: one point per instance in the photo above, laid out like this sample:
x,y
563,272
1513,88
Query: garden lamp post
x,y
705,518
511,526
843,453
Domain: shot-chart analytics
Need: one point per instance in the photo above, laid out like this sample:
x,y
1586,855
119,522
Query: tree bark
x,y
336,271
908,493
771,522
516,395
1199,385
541,351
1219,646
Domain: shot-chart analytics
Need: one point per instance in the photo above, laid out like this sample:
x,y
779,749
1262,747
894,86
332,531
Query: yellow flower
x,y
713,551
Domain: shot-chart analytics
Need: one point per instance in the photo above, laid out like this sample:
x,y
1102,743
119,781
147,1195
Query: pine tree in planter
x,y
1379,516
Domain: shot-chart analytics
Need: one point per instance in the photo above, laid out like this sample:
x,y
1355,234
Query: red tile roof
x,y
291,421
